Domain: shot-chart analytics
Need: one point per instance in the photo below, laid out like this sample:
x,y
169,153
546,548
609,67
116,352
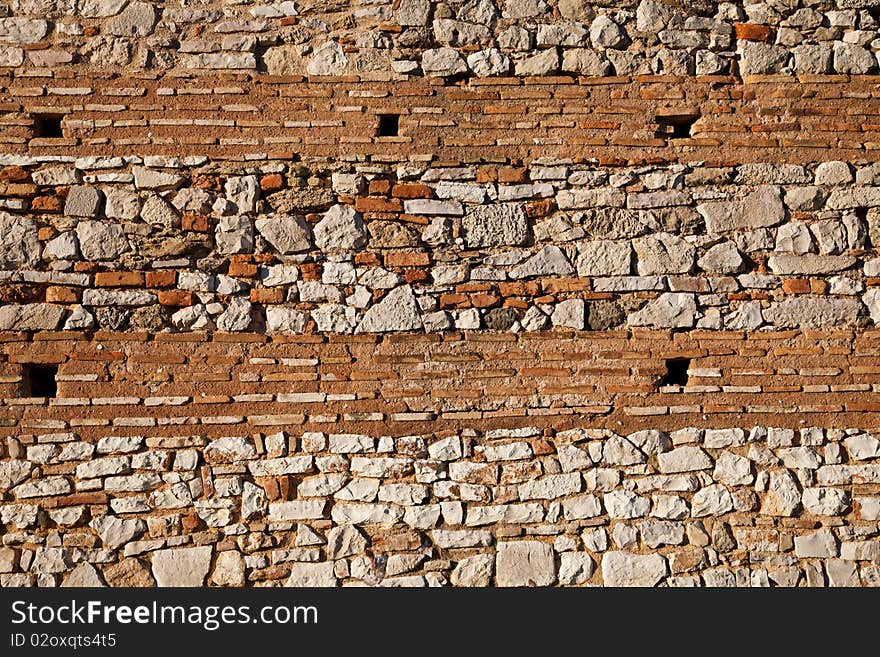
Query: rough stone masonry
x,y
484,293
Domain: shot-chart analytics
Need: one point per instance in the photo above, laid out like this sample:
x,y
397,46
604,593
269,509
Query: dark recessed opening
x,y
676,372
389,125
39,380
677,126
48,126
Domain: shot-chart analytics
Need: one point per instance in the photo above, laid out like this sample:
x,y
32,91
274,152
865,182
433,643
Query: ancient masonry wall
x,y
516,293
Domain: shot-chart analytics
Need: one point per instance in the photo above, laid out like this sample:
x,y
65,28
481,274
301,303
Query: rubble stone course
x,y
471,38
469,293
443,248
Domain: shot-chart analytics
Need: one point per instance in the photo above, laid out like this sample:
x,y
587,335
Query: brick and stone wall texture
x,y
484,293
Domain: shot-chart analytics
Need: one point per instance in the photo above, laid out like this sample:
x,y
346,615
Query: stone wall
x,y
502,293
155,244
412,460
479,38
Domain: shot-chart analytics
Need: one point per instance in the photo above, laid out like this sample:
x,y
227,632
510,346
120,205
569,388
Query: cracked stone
x,y
342,230
524,563
101,241
669,310
398,311
182,567
19,245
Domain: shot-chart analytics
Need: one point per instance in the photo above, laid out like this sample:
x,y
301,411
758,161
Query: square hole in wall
x,y
39,380
677,125
676,372
47,126
389,125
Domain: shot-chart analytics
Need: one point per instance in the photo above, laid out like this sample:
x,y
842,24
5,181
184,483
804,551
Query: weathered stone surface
x,y
280,319
85,575
820,544
159,212
489,62
714,500
549,261
760,58
524,563
625,569
443,62
234,234
30,317
605,33
495,225
319,575
128,572
341,230
329,59
569,314
229,569
82,202
22,30
236,317
783,497
626,504
116,532
813,313
604,258
723,258
413,12
101,241
825,501
862,447
669,310
287,234
761,208
684,459
397,311
182,566
663,254
138,19
19,245
474,571
809,263
13,473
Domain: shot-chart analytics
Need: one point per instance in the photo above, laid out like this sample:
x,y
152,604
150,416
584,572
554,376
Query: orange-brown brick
x,y
267,295
62,294
272,183
407,259
454,300
753,32
48,204
370,259
362,204
411,190
512,175
161,278
310,271
487,175
796,286
242,269
519,289
119,279
379,187
484,300
14,174
196,222
175,298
